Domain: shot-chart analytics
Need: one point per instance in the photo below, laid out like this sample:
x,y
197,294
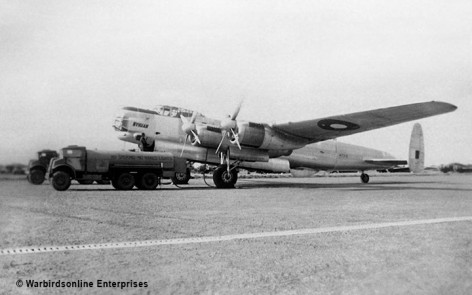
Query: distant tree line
x,y
455,167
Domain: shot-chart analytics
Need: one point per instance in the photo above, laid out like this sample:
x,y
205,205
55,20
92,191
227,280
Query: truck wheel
x,y
36,176
124,181
181,178
223,179
60,180
148,181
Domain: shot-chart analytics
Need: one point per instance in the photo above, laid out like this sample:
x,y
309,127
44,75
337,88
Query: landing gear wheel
x,y
60,180
148,181
224,179
364,178
36,176
124,181
181,178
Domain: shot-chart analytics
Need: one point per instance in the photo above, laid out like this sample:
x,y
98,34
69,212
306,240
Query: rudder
x,y
416,153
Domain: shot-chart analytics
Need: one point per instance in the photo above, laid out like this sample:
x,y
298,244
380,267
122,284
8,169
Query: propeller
x,y
229,127
189,128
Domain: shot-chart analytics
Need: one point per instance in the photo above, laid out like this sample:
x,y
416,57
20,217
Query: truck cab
x,y
37,168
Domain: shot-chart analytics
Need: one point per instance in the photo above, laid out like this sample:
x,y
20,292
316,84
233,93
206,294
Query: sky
x,y
66,67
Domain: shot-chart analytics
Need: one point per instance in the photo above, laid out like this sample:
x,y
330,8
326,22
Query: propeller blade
x,y
221,142
183,148
236,111
236,138
183,119
196,137
194,117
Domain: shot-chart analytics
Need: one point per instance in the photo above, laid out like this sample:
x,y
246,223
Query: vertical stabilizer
x,y
416,153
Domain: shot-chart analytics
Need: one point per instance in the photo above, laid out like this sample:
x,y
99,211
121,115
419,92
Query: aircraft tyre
x,y
148,181
123,181
223,179
36,176
365,178
61,180
181,178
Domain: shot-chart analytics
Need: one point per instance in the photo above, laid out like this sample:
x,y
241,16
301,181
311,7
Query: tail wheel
x,y
181,178
365,178
148,181
124,181
224,179
61,180
36,176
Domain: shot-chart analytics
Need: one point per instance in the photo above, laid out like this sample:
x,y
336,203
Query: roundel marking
x,y
337,125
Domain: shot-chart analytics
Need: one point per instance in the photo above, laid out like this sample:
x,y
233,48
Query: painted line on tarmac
x,y
180,241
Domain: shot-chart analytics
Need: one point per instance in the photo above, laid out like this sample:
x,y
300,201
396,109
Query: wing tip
x,y
447,107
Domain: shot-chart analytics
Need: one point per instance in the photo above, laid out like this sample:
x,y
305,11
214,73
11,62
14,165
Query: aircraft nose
x,y
126,136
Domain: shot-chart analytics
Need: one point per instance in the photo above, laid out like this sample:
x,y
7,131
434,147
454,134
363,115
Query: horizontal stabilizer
x,y
384,162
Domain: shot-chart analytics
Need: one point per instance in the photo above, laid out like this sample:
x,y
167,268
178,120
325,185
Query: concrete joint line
x,y
195,240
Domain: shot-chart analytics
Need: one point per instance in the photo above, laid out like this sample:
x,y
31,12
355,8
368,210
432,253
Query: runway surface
x,y
397,234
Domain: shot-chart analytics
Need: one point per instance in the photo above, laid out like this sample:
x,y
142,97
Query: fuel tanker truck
x,y
125,169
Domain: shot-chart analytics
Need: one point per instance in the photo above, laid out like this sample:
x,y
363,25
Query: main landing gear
x,y
365,178
225,175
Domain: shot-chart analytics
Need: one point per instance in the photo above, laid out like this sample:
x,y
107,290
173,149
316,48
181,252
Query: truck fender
x,y
66,168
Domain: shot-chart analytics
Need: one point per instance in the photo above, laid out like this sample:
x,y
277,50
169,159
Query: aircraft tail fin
x,y
416,152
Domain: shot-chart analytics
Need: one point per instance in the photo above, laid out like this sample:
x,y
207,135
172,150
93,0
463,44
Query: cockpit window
x,y
121,123
170,111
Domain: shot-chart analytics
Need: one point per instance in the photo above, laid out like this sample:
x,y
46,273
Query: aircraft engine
x,y
250,134
209,136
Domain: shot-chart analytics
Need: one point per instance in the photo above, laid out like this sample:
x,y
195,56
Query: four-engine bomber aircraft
x,y
297,147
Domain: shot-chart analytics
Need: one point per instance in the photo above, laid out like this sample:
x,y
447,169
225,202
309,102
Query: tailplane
x,y
416,153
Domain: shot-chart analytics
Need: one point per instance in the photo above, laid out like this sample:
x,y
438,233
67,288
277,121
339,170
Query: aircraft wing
x,y
343,125
384,162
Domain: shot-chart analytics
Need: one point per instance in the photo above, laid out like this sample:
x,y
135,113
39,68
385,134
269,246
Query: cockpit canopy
x,y
171,111
122,119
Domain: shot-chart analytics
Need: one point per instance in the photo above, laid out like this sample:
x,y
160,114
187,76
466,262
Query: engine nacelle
x,y
209,136
251,134
265,137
